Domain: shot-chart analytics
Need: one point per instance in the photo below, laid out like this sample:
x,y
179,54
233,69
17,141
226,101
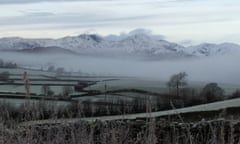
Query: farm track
x,y
212,107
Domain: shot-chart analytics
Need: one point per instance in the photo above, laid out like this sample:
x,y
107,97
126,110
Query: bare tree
x,y
177,81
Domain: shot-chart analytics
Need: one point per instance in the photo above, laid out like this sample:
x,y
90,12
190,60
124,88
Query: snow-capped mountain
x,y
208,49
138,44
72,43
133,45
16,43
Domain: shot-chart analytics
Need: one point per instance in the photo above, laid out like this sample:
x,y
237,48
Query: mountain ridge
x,y
133,45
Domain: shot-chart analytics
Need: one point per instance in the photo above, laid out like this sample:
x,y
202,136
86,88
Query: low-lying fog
x,y
224,69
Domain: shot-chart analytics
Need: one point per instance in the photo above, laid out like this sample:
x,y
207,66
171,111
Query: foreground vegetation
x,y
149,131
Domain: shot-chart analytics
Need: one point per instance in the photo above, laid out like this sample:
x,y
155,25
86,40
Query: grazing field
x,y
104,83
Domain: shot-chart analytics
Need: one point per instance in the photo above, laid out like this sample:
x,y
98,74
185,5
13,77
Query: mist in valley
x,y
222,69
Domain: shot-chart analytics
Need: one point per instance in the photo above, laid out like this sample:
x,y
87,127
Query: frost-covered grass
x,y
126,132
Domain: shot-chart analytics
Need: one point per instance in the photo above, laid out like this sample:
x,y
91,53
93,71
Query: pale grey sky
x,y
177,20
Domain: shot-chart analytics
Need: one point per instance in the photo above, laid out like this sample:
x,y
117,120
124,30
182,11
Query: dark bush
x,y
212,92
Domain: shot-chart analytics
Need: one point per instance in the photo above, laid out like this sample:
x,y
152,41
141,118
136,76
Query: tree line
x,y
8,64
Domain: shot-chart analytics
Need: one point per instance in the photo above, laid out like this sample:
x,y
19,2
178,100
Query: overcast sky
x,y
177,20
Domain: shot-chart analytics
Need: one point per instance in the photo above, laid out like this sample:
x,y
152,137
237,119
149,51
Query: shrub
x,y
212,92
